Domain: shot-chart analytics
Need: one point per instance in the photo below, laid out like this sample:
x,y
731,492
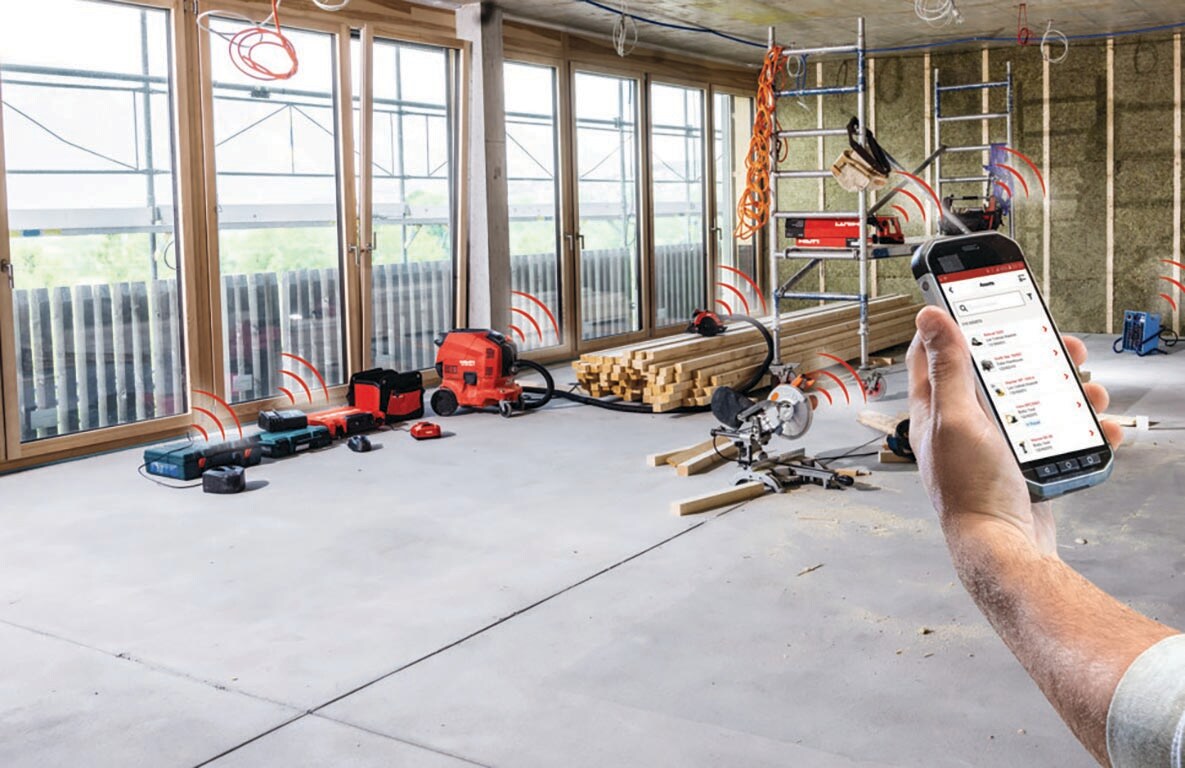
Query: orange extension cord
x,y
244,45
753,207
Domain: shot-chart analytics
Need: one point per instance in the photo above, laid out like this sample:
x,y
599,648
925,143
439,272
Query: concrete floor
x,y
519,595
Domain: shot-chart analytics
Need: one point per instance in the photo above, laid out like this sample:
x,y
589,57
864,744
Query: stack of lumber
x,y
685,370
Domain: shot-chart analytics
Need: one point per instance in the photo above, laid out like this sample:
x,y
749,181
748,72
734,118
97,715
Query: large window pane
x,y
276,154
607,190
412,202
734,126
677,163
531,161
88,142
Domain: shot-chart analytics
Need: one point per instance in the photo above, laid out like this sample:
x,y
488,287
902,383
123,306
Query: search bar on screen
x,y
996,303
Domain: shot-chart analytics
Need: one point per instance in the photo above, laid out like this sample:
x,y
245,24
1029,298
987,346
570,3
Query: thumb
x,y
952,378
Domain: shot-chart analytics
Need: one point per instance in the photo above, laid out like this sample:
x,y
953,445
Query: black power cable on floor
x,y
623,407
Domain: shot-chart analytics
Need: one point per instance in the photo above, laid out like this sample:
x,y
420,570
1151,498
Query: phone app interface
x,y
1028,379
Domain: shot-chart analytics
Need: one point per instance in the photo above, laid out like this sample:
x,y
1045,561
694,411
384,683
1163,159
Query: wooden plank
x,y
710,501
881,422
706,461
660,459
695,450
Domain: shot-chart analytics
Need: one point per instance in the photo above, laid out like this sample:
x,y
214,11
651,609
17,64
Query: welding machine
x,y
1142,334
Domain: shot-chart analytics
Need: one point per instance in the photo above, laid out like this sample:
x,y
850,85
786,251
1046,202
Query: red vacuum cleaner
x,y
477,369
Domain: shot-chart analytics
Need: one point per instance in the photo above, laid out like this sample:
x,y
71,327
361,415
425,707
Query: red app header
x,y
971,274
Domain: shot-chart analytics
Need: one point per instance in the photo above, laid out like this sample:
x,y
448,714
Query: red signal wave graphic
x,y
851,370
519,331
739,295
313,368
1177,283
922,183
916,201
304,384
749,280
1031,164
903,212
847,398
546,310
224,405
210,415
527,315
724,304
1015,173
286,391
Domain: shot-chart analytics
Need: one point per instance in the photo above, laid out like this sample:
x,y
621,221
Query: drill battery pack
x,y
277,445
400,396
187,461
282,421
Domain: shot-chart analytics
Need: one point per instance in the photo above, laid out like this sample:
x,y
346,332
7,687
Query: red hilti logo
x,y
468,363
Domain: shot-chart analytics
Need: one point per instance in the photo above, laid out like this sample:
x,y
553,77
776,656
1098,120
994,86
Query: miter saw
x,y
752,424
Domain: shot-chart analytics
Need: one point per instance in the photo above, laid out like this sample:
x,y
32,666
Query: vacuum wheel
x,y
444,402
876,385
506,408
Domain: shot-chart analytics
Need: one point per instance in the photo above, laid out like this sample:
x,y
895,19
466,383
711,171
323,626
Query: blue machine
x,y
1141,333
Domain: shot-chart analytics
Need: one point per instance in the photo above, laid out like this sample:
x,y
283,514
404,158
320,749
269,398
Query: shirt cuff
x,y
1146,720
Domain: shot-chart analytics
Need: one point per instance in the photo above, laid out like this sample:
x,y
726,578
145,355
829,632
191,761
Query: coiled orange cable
x,y
255,41
754,204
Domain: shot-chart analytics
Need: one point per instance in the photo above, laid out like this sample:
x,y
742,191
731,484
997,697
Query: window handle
x,y
7,268
573,239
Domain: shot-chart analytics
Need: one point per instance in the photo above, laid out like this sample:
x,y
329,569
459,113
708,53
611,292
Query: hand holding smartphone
x,y
1025,375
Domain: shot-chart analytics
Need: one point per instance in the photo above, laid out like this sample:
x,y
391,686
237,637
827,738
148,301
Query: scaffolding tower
x,y
863,252
988,149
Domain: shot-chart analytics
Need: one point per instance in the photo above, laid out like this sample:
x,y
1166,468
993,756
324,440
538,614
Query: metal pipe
x,y
825,297
827,90
937,96
822,51
807,133
882,202
816,214
964,180
970,148
973,86
862,195
772,236
1009,107
822,173
797,276
968,118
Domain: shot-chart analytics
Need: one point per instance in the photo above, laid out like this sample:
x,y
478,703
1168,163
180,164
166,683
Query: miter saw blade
x,y
793,409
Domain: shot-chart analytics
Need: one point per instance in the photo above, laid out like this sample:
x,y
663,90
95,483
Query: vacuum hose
x,y
541,396
612,405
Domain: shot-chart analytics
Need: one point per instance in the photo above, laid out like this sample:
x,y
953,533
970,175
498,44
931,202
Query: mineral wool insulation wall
x,y
1104,127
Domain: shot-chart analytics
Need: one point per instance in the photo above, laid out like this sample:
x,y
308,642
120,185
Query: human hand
x,y
966,465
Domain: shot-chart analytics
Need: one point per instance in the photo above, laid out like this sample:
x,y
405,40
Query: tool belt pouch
x,y
854,174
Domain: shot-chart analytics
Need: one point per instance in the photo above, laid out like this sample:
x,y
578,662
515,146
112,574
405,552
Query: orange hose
x,y
753,207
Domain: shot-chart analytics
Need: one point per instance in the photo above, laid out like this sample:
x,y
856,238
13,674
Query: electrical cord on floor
x,y
624,407
852,454
1166,336
171,486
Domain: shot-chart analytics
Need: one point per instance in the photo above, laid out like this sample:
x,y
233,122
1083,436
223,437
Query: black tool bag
x,y
402,393
987,217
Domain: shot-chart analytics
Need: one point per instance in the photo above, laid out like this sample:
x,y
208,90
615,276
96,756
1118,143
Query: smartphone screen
x,y
1028,378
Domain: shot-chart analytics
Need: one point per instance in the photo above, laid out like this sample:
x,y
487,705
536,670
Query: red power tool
x,y
477,370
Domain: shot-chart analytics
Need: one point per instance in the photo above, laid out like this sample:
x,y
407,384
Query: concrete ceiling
x,y
890,23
